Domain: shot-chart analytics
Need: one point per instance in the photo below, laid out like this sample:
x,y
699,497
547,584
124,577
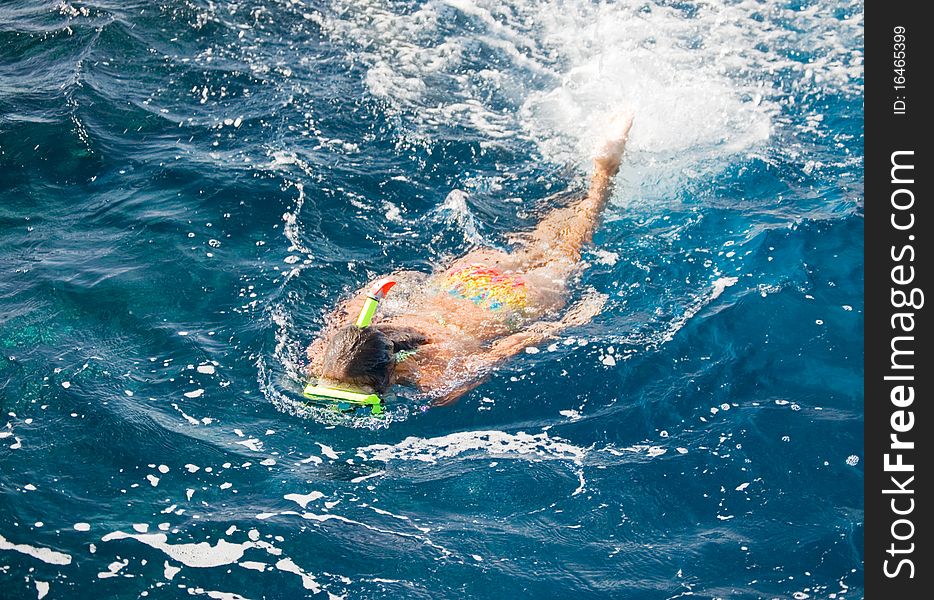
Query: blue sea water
x,y
187,186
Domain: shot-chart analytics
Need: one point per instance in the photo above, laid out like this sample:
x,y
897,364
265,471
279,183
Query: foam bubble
x,y
303,499
252,443
221,595
328,451
169,571
113,569
253,565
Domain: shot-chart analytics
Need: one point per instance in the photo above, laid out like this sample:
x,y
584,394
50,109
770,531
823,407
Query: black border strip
x,y
897,262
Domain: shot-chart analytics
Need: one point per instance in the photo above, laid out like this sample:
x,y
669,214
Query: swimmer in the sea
x,y
459,322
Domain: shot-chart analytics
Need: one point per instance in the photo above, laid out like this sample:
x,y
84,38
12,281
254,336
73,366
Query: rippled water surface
x,y
187,186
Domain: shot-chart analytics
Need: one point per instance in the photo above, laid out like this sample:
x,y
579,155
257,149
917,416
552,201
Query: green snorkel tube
x,y
315,391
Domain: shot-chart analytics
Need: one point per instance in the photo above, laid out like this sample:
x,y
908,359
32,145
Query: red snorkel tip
x,y
380,288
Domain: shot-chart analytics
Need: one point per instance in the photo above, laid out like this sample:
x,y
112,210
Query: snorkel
x,y
315,391
378,291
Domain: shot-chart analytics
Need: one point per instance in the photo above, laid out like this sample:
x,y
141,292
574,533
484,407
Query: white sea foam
x,y
186,416
216,595
253,565
702,79
328,451
303,499
169,570
455,211
201,554
252,443
365,477
717,288
487,443
646,449
287,565
674,325
113,569
207,555
721,284
46,555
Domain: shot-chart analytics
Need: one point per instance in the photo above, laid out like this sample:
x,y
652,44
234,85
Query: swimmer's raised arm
x,y
564,231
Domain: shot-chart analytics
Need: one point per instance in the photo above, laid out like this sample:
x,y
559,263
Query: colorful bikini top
x,y
487,287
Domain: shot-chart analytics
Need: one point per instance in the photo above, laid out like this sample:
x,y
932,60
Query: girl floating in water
x,y
459,322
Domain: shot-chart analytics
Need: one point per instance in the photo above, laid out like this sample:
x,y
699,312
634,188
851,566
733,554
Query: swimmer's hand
x,y
584,311
480,365
580,314
609,150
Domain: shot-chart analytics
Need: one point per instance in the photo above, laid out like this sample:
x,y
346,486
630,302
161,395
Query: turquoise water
x,y
187,186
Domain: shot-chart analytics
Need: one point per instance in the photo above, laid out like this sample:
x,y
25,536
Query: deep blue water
x,y
187,186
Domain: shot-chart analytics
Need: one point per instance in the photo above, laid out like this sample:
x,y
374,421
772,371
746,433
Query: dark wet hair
x,y
366,356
